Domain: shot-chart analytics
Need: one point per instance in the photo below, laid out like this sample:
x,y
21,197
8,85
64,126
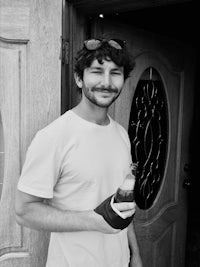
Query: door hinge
x,y
64,51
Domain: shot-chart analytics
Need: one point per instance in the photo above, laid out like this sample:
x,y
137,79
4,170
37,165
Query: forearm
x,y
133,244
41,216
34,212
134,248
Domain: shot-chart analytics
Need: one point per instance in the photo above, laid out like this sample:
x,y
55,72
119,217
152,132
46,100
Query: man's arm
x,y
33,212
135,260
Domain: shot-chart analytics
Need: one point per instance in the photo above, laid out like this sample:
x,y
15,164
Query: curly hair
x,y
120,57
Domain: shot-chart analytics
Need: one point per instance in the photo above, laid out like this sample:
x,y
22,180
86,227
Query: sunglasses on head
x,y
93,44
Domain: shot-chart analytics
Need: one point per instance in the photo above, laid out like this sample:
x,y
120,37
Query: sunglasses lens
x,y
116,43
92,44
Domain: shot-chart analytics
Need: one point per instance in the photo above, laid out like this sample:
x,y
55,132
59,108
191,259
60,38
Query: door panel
x,y
161,229
11,68
29,99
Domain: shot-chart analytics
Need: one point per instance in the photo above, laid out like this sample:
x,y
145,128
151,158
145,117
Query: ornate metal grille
x,y
148,132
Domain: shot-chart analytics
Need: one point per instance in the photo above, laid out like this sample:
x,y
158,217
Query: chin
x,y
104,104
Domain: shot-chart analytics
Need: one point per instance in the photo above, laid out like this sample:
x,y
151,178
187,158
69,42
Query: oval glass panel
x,y
1,155
148,132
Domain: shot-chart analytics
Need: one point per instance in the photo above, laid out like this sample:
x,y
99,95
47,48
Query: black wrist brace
x,y
110,216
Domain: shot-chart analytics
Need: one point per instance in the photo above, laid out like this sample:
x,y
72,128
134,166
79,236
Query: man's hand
x,y
135,261
102,226
127,209
118,216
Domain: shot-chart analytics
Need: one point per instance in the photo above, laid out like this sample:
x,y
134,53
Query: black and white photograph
x,y
99,133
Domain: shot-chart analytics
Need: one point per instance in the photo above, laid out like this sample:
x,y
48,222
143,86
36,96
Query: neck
x,y
92,113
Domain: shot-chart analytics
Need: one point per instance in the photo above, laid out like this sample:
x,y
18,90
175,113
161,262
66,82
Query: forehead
x,y
106,64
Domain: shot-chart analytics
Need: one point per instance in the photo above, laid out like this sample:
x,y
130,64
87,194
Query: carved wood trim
x,y
13,41
14,255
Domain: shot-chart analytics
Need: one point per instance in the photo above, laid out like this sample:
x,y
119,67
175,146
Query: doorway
x,y
95,24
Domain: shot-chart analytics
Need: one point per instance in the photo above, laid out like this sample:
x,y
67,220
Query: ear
x,y
78,80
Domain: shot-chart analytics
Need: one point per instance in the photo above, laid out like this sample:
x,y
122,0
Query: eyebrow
x,y
96,68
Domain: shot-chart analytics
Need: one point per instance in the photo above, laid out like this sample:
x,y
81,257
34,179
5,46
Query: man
x,y
76,163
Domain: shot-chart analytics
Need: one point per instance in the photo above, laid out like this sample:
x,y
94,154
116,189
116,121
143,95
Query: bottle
x,y
125,193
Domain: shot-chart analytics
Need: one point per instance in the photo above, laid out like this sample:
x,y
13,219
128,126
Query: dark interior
x,y
178,21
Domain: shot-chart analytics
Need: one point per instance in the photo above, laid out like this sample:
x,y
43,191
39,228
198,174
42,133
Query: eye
x,y
116,72
96,71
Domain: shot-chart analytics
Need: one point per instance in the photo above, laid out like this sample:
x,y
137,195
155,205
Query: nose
x,y
106,80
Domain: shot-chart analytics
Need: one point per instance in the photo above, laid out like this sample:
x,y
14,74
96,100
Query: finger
x,y
128,213
125,206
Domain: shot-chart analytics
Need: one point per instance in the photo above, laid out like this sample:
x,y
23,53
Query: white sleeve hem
x,y
34,192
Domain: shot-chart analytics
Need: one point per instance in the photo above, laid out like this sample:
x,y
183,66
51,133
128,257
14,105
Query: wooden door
x,y
29,99
162,214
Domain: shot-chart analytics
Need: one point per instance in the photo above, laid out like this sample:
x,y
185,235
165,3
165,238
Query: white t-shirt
x,y
77,164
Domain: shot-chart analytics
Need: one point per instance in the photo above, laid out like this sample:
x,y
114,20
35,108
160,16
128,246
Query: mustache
x,y
104,89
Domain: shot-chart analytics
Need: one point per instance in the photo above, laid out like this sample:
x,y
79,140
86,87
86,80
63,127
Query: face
x,y
102,83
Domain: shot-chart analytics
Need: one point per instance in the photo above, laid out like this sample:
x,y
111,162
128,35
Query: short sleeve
x,y
41,168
